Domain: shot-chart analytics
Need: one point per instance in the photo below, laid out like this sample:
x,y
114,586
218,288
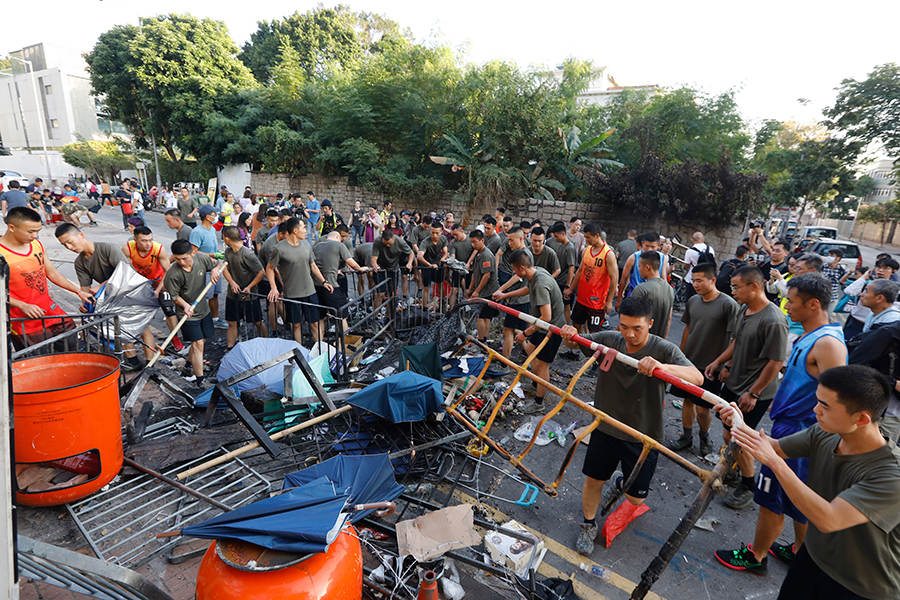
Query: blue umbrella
x,y
401,398
368,478
246,355
303,520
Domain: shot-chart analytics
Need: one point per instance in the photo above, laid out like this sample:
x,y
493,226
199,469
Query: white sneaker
x,y
220,324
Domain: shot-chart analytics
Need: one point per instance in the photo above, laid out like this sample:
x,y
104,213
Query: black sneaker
x,y
783,552
739,497
706,446
742,560
569,355
682,443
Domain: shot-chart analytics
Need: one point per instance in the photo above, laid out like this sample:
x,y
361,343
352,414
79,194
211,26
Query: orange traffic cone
x,y
428,587
620,518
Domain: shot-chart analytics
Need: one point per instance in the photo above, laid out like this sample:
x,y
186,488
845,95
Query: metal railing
x,y
94,332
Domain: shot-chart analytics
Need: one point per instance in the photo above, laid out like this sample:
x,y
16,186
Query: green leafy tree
x,y
102,160
869,110
581,156
163,78
320,38
886,213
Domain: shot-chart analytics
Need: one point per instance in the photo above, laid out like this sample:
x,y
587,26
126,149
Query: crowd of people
x,y
762,330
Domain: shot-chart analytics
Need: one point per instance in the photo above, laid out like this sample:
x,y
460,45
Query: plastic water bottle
x,y
595,570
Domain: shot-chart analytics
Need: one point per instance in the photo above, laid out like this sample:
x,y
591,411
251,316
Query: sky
x,y
783,58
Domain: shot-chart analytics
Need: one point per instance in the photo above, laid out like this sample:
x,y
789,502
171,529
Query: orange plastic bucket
x,y
68,432
332,575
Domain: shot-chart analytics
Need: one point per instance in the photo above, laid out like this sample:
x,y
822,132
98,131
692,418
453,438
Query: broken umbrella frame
x,y
710,479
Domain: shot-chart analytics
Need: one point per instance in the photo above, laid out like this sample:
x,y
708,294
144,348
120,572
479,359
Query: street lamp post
x,y
41,116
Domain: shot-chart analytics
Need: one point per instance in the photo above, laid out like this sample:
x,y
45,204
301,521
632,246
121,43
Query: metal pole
x,y
8,570
41,116
156,162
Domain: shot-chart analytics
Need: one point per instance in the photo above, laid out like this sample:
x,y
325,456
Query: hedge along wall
x,y
615,222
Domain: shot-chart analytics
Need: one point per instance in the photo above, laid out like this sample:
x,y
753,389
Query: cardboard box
x,y
518,555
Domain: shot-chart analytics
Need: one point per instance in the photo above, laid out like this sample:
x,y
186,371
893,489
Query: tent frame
x,y
223,391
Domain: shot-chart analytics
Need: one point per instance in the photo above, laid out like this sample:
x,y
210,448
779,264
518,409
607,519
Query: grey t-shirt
x,y
184,233
243,266
265,250
494,242
14,198
625,394
187,207
461,249
362,254
866,558
330,255
482,263
189,284
433,252
293,262
546,259
566,256
661,297
416,234
758,338
625,248
99,266
710,327
389,256
542,290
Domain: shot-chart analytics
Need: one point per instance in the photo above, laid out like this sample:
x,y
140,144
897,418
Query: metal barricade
x,y
94,332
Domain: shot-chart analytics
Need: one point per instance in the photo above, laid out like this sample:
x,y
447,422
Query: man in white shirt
x,y
692,254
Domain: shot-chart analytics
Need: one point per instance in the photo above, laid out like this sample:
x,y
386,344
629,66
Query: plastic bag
x,y
549,432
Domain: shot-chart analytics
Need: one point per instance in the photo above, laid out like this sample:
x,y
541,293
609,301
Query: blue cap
x,y
205,210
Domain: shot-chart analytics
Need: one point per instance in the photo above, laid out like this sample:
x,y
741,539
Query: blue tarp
x,y
303,520
307,518
369,478
401,398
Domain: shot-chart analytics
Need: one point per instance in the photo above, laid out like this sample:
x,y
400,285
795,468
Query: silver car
x,y
6,176
852,258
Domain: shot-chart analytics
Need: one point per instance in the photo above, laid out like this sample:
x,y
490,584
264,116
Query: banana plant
x,y
478,163
537,184
583,155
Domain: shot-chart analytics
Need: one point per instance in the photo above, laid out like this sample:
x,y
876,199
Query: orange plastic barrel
x,y
332,575
68,433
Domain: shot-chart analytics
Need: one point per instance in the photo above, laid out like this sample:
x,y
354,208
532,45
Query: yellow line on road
x,y
560,550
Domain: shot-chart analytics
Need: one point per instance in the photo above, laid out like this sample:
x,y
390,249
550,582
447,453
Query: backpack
x,y
706,256
723,279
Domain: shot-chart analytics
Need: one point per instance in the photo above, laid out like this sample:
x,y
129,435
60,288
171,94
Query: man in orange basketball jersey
x,y
29,271
595,282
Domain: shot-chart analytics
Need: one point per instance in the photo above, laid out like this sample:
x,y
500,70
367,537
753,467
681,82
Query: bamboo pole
x,y
253,445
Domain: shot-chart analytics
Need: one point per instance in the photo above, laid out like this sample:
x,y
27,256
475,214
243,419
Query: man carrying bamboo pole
x,y
634,398
184,281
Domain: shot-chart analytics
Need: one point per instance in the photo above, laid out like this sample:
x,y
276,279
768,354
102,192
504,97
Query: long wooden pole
x,y
253,445
159,351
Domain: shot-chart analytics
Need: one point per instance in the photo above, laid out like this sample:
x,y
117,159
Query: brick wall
x,y
615,223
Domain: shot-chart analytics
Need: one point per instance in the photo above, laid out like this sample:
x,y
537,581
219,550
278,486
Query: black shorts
x,y
752,418
430,276
805,580
166,303
488,312
594,317
335,300
391,276
548,352
513,322
193,331
710,385
246,310
342,283
562,291
295,312
604,455
458,279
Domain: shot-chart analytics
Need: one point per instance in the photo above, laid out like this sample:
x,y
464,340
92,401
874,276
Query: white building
x,y
884,174
56,102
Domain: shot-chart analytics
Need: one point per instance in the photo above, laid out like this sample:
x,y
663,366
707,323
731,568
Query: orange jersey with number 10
x,y
593,285
28,283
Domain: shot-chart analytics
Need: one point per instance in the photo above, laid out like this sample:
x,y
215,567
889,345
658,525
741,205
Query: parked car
x,y
818,231
852,258
6,176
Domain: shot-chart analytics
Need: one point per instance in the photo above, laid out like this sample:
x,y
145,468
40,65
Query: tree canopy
x,y
99,159
868,111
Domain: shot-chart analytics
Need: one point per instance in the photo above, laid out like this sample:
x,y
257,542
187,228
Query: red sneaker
x,y
176,343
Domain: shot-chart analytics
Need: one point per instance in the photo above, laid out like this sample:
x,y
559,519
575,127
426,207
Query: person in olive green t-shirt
x,y
852,548
635,398
484,281
659,293
185,280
